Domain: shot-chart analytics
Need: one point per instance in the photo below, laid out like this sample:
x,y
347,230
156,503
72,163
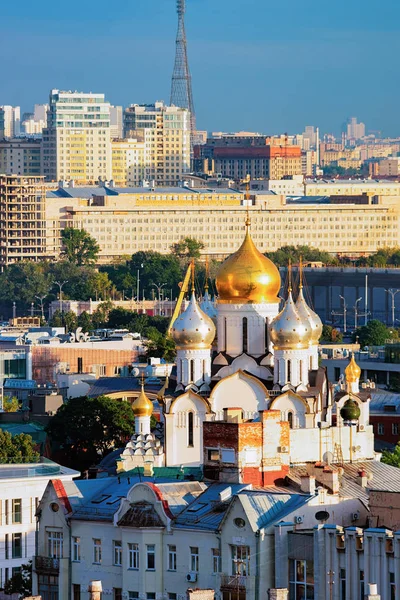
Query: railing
x,y
46,564
234,582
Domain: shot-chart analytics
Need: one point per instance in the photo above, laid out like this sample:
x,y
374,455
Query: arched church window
x,y
290,419
244,333
289,370
301,370
204,370
191,371
225,335
310,363
266,335
190,429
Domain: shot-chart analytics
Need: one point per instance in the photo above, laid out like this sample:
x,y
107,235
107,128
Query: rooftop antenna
x,y
207,275
301,273
290,276
181,86
247,198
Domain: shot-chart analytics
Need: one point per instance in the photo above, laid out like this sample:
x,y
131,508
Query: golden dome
x,y
193,328
142,406
352,371
305,313
247,276
288,330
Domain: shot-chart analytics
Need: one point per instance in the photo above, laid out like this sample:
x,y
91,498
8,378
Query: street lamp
x,y
356,312
41,298
392,294
344,313
159,288
60,285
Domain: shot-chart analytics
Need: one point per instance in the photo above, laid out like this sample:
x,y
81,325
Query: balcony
x,y
234,582
44,564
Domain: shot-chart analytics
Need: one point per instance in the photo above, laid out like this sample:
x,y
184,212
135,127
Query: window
x,y
133,555
289,371
171,558
216,560
212,454
342,584
76,591
191,363
96,551
190,430
17,545
55,544
133,595
194,559
151,557
172,596
290,419
362,586
17,510
117,553
6,551
117,594
381,429
395,429
228,455
76,549
301,580
392,587
240,560
244,334
150,596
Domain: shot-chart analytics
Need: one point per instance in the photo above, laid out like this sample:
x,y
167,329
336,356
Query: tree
x,y
331,334
70,321
21,582
17,448
282,256
10,404
88,428
187,248
100,315
79,246
85,321
392,458
22,281
375,333
57,319
159,345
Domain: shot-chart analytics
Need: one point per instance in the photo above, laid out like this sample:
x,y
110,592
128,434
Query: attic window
x,y
212,454
389,408
197,507
101,498
115,500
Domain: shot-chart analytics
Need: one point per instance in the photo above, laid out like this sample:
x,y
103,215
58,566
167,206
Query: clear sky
x,y
260,65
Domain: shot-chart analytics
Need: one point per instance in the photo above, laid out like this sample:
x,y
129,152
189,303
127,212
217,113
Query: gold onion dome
x,y
288,330
142,406
247,276
193,328
352,371
305,312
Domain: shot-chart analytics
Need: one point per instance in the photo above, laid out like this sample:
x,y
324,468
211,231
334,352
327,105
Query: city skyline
x,y
285,60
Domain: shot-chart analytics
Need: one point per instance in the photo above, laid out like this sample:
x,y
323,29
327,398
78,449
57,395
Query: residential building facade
x,y
20,156
128,162
11,119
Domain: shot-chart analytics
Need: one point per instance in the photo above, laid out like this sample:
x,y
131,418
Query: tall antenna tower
x,y
181,88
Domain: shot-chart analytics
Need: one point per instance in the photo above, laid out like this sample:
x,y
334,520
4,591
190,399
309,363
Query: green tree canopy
x,y
21,582
331,334
89,428
81,282
17,448
85,321
79,246
282,256
22,281
392,458
10,404
159,345
187,248
375,333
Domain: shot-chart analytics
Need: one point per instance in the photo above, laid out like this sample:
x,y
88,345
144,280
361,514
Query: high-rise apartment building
x,y
128,162
116,122
11,118
166,132
20,156
34,123
76,142
354,130
22,215
2,123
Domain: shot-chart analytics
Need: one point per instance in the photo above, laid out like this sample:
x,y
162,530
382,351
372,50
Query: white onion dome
x,y
207,306
288,330
193,328
305,313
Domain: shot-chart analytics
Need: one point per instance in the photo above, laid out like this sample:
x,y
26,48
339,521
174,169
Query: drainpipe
x,y
70,561
258,544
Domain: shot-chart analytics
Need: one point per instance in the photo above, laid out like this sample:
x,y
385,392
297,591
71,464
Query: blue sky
x,y
260,65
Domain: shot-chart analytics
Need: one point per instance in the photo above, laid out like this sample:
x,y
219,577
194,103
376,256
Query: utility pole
x,y
344,313
60,285
392,295
41,298
356,312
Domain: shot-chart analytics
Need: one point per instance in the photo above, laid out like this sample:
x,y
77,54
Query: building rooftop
x,y
42,469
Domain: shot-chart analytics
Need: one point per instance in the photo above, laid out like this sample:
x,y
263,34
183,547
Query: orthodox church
x,y
248,398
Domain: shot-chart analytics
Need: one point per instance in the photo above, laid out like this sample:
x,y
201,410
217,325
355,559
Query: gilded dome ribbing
x,y
288,331
193,328
247,276
142,406
305,312
352,371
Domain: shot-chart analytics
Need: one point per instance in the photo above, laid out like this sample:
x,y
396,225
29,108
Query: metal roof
x,y
264,508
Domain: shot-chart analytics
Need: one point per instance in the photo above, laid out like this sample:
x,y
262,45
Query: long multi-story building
x,y
20,156
166,134
76,142
22,217
128,161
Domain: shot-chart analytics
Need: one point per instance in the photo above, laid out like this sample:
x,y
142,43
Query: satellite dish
x,y
136,372
328,458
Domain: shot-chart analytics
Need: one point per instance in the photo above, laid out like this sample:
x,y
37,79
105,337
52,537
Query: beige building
x,y
155,219
389,167
20,156
166,134
351,187
76,142
128,161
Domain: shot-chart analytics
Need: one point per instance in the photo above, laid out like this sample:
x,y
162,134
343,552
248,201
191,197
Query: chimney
x,y
95,590
148,469
278,594
307,484
362,478
233,415
372,592
331,479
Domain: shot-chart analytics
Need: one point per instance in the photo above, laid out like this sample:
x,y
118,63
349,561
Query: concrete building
x,y
22,213
351,187
389,167
128,161
76,142
11,119
166,134
116,122
21,487
20,156
354,130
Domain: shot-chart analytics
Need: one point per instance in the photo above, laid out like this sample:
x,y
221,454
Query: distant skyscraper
x,y
12,120
116,122
76,142
354,130
181,88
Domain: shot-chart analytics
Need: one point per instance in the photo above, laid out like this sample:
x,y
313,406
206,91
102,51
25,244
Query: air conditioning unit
x,y
298,520
284,449
355,516
191,577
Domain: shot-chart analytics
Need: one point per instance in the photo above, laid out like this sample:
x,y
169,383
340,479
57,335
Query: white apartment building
x,y
12,120
76,142
21,487
166,133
